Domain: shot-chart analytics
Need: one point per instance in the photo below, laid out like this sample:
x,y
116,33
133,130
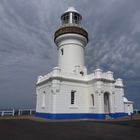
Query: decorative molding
x,y
73,107
102,91
96,91
113,92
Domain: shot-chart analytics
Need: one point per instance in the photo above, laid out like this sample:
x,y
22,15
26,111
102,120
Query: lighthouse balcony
x,y
71,30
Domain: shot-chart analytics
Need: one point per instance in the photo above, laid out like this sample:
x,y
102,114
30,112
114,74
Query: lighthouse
x,y
71,40
68,91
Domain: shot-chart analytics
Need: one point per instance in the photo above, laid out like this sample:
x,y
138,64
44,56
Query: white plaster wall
x,y
73,46
43,95
128,108
91,90
119,106
73,56
100,88
110,88
131,108
63,98
58,97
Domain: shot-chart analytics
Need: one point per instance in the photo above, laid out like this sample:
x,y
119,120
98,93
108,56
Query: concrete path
x,y
37,129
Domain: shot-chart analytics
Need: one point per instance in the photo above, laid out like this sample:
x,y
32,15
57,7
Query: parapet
x,y
119,83
109,75
100,75
56,71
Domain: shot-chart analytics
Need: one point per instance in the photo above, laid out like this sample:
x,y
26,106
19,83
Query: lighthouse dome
x,y
71,9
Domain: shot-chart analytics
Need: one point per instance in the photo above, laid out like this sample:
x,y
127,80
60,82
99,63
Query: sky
x,y
27,48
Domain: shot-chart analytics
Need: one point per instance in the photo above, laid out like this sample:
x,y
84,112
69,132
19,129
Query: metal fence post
x,y
30,111
13,112
2,113
19,112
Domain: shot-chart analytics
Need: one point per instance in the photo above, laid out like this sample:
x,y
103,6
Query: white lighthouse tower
x,y
68,92
71,40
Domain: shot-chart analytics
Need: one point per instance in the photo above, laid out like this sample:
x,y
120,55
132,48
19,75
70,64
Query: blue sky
x,y
27,48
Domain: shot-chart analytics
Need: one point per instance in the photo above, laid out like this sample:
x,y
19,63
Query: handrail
x,y
15,112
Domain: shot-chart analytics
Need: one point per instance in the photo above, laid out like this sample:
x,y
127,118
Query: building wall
x,y
72,46
44,98
119,104
128,108
63,98
55,97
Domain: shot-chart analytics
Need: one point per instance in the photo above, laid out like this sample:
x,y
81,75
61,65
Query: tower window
x,y
62,51
92,97
65,18
73,97
82,73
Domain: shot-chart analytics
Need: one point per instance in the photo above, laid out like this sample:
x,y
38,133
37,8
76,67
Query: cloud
x,y
114,40
27,48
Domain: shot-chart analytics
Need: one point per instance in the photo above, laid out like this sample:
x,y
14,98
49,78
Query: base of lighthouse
x,y
81,96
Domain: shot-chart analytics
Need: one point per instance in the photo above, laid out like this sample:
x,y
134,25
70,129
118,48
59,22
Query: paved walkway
x,y
30,128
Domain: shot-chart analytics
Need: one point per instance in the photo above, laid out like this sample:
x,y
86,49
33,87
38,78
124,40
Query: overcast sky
x,y
27,48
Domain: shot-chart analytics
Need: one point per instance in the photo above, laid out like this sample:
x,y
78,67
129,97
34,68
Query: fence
x,y
136,111
17,112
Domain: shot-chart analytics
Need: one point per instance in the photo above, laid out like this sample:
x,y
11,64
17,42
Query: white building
x,y
68,92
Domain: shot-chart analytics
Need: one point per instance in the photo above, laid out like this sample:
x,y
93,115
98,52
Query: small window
x,y
82,73
92,96
73,96
43,99
62,51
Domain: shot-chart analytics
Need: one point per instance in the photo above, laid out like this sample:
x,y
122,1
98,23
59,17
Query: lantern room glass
x,y
71,18
76,18
65,18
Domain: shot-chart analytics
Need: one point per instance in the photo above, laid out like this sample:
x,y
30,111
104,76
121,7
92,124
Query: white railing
x,y
8,113
136,111
21,111
17,112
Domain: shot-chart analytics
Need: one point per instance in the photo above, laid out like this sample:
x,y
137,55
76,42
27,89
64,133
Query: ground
x,y
30,128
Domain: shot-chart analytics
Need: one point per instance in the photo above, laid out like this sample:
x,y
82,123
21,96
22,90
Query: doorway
x,y
106,103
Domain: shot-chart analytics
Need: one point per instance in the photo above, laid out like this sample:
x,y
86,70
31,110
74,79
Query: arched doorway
x,y
106,103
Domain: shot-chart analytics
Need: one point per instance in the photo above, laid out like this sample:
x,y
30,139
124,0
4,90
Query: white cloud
x,y
27,28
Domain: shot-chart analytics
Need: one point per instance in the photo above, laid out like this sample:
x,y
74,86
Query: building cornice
x,y
78,79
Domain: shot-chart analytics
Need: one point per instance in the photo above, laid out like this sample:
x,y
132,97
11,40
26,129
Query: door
x,y
106,103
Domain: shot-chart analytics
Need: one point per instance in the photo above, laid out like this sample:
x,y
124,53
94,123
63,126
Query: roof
x,y
125,100
71,9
